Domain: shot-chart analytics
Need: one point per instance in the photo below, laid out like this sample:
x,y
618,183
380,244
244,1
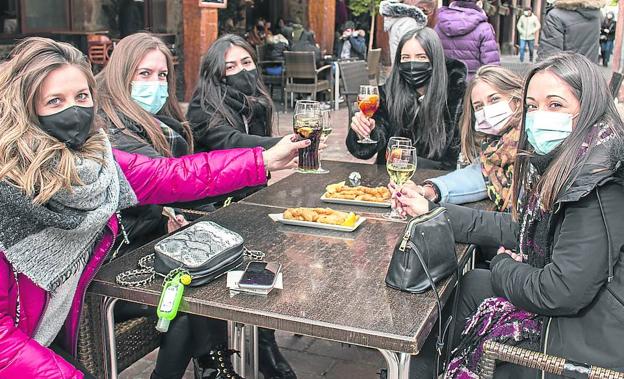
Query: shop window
x,y
45,15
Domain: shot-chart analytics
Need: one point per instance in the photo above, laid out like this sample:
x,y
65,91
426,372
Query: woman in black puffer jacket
x,y
557,283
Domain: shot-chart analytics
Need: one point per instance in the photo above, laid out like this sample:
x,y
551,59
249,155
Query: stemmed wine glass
x,y
326,129
401,165
368,102
307,125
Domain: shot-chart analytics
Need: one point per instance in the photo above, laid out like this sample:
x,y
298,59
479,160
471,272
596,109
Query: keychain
x,y
170,298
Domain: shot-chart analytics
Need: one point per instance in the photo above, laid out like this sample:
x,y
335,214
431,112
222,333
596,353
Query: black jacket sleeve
x,y
125,142
381,133
211,132
576,273
483,227
223,136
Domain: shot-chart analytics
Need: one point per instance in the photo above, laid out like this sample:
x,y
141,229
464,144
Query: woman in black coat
x,y
231,108
557,283
422,100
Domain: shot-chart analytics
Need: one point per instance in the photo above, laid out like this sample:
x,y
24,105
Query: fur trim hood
x,y
390,8
579,4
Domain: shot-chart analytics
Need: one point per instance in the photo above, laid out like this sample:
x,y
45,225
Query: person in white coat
x,y
528,26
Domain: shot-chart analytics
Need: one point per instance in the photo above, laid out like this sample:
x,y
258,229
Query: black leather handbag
x,y
425,254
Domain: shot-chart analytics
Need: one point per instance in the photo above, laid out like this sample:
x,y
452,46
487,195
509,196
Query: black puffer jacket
x,y
384,129
584,311
144,223
572,25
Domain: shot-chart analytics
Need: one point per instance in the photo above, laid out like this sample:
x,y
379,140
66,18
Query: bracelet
x,y
436,191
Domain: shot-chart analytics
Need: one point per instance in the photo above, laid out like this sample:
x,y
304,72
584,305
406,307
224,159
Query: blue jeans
x,y
607,49
523,44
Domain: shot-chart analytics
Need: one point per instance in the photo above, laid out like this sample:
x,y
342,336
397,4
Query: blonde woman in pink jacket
x,y
61,185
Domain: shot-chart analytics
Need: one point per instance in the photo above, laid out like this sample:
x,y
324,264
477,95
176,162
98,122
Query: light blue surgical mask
x,y
150,96
546,130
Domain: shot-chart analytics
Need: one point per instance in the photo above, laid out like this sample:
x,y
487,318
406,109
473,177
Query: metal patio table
x,y
333,281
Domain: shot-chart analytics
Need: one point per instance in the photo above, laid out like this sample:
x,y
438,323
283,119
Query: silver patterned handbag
x,y
206,250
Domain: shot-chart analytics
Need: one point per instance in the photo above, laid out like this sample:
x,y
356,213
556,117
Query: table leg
x,y
398,364
110,348
253,351
336,86
237,342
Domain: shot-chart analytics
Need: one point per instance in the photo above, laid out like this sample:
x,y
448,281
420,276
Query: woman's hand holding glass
x,y
284,154
362,125
401,165
408,200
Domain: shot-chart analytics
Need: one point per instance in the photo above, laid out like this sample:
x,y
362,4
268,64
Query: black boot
x,y
217,365
271,362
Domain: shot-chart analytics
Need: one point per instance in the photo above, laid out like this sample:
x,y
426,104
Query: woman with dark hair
x,y
421,100
557,283
231,108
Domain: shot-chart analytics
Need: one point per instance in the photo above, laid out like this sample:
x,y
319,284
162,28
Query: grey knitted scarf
x,y
49,243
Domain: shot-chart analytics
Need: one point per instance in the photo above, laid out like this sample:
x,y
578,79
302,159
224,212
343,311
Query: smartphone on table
x,y
260,275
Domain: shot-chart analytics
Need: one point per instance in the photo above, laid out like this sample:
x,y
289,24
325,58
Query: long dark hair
x,y
426,125
212,89
597,106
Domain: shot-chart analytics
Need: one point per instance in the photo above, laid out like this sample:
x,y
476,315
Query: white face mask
x,y
492,119
526,14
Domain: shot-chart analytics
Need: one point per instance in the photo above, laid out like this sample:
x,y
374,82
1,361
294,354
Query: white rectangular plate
x,y
355,202
279,217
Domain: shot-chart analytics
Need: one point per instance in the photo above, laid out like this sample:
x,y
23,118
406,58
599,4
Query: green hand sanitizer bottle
x,y
170,299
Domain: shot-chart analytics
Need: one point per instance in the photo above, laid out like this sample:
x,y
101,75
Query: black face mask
x,y
71,126
415,74
244,81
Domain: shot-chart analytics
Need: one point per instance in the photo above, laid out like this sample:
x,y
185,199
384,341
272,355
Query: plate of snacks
x,y
322,218
340,193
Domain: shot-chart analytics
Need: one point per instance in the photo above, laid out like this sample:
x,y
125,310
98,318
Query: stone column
x,y
200,31
322,16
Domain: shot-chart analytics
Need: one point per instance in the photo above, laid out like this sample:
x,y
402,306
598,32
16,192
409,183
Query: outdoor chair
x,y
99,48
135,338
373,60
493,351
302,76
269,69
353,75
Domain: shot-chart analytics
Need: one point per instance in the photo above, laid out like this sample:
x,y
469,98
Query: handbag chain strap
x,y
145,274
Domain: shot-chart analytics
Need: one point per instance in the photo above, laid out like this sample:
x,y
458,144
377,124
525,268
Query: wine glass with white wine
x,y
325,132
401,165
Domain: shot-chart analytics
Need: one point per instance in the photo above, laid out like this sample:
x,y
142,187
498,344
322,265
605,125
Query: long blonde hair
x,y
30,159
114,86
505,82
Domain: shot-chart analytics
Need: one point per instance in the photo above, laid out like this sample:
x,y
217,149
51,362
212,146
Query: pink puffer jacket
x,y
155,181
